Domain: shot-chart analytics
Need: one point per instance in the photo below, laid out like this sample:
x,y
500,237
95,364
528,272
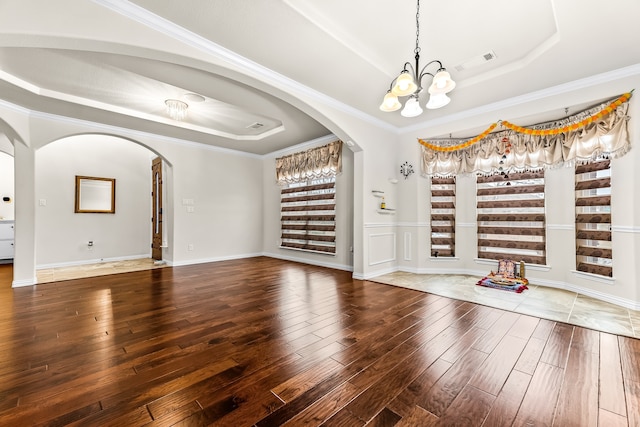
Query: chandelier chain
x,y
417,49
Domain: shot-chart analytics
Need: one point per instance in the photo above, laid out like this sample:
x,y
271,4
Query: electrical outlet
x,y
190,247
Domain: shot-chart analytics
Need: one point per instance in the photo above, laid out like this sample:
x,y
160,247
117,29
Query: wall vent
x,y
476,61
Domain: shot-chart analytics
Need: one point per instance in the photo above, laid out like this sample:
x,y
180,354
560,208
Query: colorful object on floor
x,y
507,278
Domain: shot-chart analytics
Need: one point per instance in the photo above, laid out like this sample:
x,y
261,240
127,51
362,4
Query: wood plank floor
x,y
268,342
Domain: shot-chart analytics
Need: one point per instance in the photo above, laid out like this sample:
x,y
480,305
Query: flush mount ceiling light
x,y
176,109
409,83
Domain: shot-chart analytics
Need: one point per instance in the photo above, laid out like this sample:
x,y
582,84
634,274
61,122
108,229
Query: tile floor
x,y
539,301
91,270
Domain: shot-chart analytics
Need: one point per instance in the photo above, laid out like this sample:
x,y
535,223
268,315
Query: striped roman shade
x,y
511,219
593,218
308,215
443,217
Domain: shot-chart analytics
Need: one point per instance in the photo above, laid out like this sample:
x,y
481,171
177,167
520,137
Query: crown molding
x,y
587,82
237,62
122,132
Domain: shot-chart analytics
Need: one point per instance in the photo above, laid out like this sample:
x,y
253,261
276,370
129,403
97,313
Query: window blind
x,y
443,217
308,215
511,219
593,218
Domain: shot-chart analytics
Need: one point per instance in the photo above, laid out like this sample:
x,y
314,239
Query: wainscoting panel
x,y
407,246
382,248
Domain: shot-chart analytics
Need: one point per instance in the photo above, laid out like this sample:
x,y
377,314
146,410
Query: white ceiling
x,y
347,50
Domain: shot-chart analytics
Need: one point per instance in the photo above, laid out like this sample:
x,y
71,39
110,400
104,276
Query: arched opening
x,y
7,215
66,238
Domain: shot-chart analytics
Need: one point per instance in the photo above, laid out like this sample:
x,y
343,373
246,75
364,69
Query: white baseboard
x,y
24,282
215,259
309,261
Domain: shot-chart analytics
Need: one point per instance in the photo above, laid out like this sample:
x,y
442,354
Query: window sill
x,y
534,267
308,251
444,258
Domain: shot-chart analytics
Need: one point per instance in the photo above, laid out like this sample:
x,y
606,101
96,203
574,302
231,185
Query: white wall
x,y
226,190
7,186
343,258
62,236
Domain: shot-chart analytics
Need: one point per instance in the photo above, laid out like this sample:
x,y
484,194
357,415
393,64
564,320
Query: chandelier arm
x,y
408,64
440,67
419,79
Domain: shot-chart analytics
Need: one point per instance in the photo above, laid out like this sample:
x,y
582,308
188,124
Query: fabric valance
x,y
599,132
315,163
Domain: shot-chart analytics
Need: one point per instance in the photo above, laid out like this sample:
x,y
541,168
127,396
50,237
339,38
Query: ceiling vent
x,y
476,61
256,125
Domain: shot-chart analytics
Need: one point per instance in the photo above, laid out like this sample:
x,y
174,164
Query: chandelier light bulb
x,y
442,83
412,107
390,102
437,100
404,85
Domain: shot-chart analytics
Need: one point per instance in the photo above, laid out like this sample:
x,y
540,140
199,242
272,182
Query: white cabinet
x,y
6,239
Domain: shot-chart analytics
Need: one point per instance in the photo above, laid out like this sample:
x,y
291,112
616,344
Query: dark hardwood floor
x,y
267,342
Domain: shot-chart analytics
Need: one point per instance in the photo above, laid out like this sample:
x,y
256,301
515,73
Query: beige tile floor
x,y
539,301
91,270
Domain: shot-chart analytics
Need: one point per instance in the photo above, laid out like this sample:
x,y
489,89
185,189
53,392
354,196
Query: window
x,y
308,198
309,215
443,217
511,220
593,218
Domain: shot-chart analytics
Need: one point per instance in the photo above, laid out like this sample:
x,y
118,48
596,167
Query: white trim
x,y
124,132
309,261
566,227
23,282
16,81
444,258
91,261
534,267
594,277
466,224
216,259
309,251
413,224
375,273
625,229
407,246
394,256
622,302
380,224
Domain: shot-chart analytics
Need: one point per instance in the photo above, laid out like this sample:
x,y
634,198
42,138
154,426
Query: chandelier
x,y
409,83
176,109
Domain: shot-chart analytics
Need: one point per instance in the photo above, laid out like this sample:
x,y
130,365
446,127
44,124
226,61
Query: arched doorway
x,y
66,238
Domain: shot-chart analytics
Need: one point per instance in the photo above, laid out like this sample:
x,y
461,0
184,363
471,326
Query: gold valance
x,y
599,132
